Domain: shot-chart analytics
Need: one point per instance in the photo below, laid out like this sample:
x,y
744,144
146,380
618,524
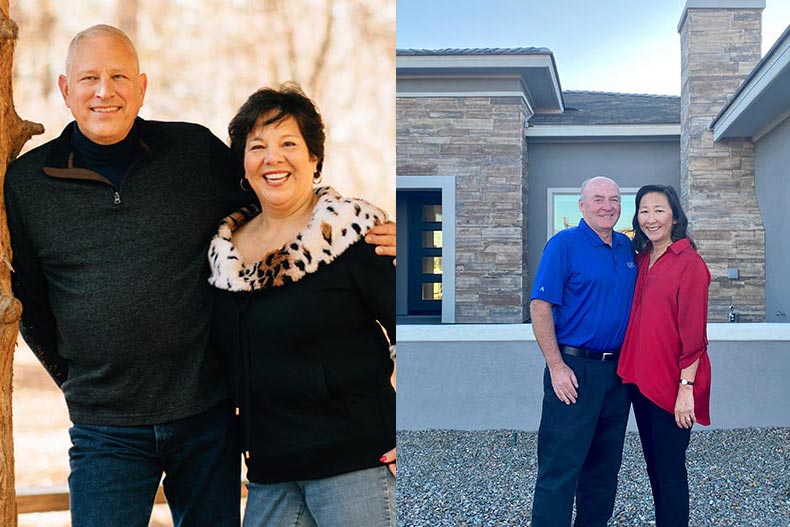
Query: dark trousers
x,y
580,447
664,445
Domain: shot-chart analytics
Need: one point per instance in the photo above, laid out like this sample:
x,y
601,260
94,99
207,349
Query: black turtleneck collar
x,y
111,161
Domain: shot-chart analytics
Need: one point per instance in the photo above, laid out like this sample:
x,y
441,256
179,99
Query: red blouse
x,y
667,328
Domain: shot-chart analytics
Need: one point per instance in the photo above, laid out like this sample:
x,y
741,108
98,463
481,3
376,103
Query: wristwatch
x,y
685,382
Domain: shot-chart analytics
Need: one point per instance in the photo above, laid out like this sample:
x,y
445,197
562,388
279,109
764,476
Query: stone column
x,y
720,45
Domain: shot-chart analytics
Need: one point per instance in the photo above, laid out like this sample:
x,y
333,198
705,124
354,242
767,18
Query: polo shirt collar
x,y
593,237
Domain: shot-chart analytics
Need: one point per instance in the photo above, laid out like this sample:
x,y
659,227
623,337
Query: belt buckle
x,y
606,354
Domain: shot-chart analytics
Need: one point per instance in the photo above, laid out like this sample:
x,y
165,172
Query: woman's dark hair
x,y
288,100
641,242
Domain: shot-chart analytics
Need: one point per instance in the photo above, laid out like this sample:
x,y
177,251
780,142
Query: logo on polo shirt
x,y
630,265
542,289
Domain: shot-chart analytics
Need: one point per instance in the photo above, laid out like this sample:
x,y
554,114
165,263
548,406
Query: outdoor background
x,y
203,58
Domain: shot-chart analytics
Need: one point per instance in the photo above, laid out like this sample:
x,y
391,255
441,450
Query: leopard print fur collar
x,y
335,224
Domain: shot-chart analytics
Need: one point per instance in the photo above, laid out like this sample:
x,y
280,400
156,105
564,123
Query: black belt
x,y
589,354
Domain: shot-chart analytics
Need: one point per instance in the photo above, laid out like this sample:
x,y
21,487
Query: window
x,y
426,250
425,253
563,210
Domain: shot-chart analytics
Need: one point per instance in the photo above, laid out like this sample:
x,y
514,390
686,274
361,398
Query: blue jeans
x,y
116,470
363,498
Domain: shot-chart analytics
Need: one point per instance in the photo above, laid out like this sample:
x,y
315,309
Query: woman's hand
x,y
389,459
684,407
383,236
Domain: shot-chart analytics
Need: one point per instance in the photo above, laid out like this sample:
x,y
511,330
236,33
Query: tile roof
x,y
599,108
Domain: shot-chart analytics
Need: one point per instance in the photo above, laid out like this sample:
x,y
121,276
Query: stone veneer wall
x,y
480,141
719,47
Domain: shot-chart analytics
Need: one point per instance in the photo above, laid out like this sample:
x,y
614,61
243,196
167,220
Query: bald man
x,y
580,305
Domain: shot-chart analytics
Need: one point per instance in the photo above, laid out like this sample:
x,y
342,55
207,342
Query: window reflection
x,y
432,213
432,265
432,291
432,239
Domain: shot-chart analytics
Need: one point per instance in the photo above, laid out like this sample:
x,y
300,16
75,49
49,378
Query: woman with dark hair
x,y
664,356
299,319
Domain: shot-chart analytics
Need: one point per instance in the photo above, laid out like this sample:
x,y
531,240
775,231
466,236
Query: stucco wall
x,y
472,381
772,174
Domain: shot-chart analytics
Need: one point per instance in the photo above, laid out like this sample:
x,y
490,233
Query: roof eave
x,y
670,130
538,72
761,98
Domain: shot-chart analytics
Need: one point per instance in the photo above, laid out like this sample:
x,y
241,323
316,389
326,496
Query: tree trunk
x,y
13,134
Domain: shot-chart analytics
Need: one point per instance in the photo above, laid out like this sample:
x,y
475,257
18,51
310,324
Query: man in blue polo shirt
x,y
580,304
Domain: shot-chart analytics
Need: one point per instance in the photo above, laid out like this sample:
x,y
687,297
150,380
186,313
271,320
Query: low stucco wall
x,y
478,377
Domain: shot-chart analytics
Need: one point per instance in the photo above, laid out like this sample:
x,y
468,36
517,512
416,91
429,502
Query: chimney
x,y
719,46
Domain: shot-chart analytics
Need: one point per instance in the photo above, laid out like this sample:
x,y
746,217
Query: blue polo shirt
x,y
590,286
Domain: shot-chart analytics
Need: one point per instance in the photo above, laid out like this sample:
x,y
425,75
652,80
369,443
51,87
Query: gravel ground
x,y
464,479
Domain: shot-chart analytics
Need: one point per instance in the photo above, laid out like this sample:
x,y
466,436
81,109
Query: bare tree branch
x,y
323,51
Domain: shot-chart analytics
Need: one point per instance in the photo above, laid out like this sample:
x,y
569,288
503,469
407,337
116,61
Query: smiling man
x,y
580,304
110,225
103,87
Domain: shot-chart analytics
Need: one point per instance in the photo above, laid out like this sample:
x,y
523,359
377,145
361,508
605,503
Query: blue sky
x,y
629,46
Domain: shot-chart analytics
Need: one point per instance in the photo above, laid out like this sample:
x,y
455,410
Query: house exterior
x,y
490,154
494,127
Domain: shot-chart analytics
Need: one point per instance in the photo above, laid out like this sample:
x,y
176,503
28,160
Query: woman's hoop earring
x,y
241,184
317,177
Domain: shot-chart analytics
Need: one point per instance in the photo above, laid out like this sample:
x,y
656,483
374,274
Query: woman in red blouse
x,y
664,356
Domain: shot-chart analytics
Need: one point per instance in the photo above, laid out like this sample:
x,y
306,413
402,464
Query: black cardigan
x,y
308,362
